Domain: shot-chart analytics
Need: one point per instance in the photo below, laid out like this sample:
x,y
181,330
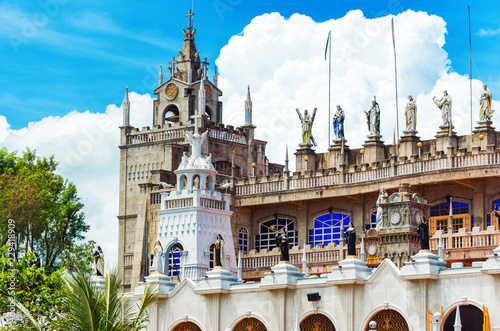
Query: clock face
x,y
395,218
171,91
372,249
208,92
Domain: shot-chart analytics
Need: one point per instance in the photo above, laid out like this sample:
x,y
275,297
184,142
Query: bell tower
x,y
193,215
176,103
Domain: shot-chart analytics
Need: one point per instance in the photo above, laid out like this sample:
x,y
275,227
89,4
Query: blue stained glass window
x,y
268,229
243,240
174,260
212,256
373,221
495,204
442,209
327,228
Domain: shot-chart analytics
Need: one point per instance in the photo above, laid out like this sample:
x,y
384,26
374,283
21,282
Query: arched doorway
x,y
470,316
250,324
317,322
389,320
186,326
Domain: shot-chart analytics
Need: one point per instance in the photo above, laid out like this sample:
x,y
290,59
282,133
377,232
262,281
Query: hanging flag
x,y
328,42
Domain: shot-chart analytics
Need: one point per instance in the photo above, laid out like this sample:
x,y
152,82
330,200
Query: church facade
x,y
189,178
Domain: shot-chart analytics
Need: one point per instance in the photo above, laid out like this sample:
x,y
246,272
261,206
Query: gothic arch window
x,y
243,240
268,229
317,322
174,260
461,218
250,323
328,229
373,221
389,320
171,114
186,326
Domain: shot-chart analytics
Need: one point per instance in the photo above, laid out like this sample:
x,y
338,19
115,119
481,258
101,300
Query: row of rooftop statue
x,y
373,116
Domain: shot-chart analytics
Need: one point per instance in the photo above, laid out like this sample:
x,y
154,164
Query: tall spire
x,y
160,77
286,159
188,60
201,104
126,109
248,108
216,77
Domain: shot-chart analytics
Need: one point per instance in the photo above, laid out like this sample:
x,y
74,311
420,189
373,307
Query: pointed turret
x,y
188,61
216,77
248,108
126,109
286,161
160,77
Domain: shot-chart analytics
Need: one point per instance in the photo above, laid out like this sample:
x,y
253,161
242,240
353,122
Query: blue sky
x,y
80,55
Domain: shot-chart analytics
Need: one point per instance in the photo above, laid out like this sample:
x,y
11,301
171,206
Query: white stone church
x,y
174,186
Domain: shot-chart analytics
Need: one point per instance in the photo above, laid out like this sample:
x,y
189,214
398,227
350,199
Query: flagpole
x,y
470,68
395,75
329,50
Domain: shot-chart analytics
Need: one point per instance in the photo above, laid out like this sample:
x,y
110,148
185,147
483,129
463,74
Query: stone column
x,y
408,145
339,155
374,150
305,158
446,138
484,137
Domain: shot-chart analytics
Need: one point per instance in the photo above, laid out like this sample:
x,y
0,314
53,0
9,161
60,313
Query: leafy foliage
x,y
92,308
43,296
46,208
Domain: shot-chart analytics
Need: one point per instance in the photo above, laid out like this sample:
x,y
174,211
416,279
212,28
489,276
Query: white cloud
x,y
86,146
283,61
489,32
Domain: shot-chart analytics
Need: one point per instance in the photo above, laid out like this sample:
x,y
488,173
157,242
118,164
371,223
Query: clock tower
x,y
398,232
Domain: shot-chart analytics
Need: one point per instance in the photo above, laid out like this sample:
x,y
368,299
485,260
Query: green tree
x,y
90,308
43,296
45,207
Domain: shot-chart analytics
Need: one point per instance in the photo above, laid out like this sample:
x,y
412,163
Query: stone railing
x,y
227,136
265,259
178,203
463,239
212,204
258,185
146,137
128,260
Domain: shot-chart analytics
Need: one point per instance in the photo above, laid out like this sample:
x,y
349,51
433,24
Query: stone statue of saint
x,y
219,251
444,104
307,123
158,257
373,118
381,196
350,237
485,111
411,114
283,242
98,262
338,123
423,230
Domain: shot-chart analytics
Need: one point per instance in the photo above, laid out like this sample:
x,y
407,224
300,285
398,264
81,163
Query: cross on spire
x,y
188,15
205,64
